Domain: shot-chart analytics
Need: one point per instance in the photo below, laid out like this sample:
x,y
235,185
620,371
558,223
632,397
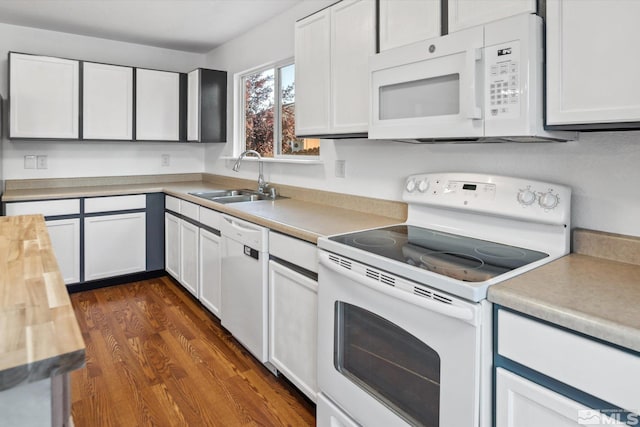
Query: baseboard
x,y
112,281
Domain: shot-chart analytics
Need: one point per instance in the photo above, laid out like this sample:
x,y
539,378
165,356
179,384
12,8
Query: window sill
x,y
306,161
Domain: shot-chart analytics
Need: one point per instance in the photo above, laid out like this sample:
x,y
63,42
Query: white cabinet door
x,y
172,245
189,237
210,278
313,68
65,240
107,108
592,75
43,97
157,105
522,403
293,326
469,13
193,106
352,42
408,21
114,245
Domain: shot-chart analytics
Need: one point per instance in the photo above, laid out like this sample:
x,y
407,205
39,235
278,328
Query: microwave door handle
x,y
473,58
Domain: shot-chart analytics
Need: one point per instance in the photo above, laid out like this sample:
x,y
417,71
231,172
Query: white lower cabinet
x,y
64,233
293,325
564,359
181,251
172,245
522,403
209,266
114,245
65,240
189,238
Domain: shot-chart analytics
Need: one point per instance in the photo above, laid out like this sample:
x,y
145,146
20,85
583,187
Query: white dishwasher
x,y
245,273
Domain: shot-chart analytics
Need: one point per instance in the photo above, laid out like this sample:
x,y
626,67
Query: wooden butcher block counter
x,y
40,335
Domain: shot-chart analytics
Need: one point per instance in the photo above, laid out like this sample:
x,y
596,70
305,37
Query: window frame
x,y
239,144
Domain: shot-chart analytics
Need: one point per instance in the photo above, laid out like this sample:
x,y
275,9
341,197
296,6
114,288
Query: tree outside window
x,y
269,120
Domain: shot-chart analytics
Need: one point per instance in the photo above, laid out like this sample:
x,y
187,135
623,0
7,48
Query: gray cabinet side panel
x,y
155,231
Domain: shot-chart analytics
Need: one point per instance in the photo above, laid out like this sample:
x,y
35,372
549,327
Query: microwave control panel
x,y
503,81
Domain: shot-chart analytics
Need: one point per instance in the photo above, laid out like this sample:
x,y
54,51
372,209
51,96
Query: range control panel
x,y
491,194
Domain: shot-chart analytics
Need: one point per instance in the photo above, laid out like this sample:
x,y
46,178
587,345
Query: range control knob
x,y
526,197
423,185
548,200
411,185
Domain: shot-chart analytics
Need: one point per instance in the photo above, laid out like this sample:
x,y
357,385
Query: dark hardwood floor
x,y
155,357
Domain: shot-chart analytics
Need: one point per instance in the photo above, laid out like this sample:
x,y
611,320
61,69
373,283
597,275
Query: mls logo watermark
x,y
607,417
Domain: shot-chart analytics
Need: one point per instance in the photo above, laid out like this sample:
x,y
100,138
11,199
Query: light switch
x,y
166,160
30,162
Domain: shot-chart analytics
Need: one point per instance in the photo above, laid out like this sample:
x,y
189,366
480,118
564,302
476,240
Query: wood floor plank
x,y
156,357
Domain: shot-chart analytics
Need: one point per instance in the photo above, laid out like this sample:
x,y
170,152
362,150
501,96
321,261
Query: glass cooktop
x,y
459,257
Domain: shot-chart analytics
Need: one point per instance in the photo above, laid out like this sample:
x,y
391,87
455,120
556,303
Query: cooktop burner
x,y
459,257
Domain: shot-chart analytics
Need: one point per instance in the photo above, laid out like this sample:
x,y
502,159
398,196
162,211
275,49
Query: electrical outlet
x,y
341,168
41,162
30,162
165,160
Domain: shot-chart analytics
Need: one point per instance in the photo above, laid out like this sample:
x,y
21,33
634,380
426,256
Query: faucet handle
x,y
269,190
273,192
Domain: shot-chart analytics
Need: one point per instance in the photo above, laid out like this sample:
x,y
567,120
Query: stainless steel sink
x,y
231,196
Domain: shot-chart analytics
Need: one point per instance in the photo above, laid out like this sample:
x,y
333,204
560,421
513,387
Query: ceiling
x,y
187,25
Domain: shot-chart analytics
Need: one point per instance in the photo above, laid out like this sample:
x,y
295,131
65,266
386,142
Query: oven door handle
x,y
462,313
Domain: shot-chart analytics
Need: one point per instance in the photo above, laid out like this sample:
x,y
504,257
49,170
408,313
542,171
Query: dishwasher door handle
x,y
237,225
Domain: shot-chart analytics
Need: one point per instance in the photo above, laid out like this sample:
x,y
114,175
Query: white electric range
x,y
404,327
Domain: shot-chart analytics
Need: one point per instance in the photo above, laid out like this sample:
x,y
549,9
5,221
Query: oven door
x,y
430,89
389,357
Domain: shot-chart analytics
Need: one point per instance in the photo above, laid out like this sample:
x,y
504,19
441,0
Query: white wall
x,y
73,159
602,168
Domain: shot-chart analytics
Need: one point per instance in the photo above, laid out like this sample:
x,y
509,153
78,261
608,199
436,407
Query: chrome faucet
x,y
262,184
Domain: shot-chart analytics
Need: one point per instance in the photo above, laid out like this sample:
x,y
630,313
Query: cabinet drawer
x,y
115,203
572,359
295,251
190,210
172,203
210,218
46,208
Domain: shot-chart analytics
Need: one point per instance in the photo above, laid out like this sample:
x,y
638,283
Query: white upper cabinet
x,y
313,68
352,42
43,97
408,21
592,63
469,13
193,106
107,108
332,69
157,105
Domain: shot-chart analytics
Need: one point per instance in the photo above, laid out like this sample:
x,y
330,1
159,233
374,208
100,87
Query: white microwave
x,y
481,84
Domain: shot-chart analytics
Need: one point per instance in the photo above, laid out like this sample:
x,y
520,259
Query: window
x,y
268,114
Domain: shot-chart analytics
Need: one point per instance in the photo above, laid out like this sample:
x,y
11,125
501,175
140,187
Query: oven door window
x,y
389,363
